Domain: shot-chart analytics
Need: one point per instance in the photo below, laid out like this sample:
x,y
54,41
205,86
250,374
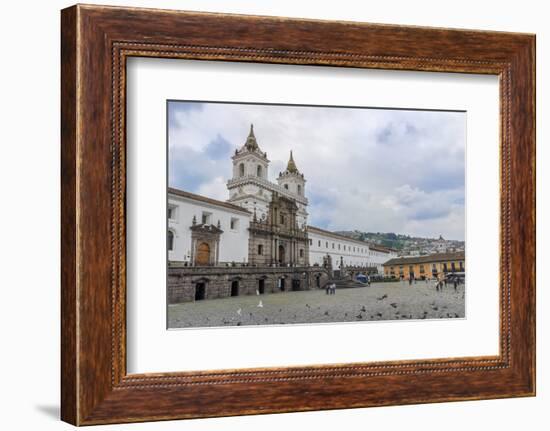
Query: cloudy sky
x,y
374,170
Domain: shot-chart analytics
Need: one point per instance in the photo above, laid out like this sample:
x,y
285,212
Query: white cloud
x,y
215,189
368,169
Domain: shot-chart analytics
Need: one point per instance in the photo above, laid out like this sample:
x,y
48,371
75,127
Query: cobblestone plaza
x,y
378,302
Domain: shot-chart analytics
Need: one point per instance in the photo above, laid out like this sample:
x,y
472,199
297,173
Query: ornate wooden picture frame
x,y
96,42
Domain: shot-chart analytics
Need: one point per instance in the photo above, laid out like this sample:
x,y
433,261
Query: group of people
x,y
440,283
330,288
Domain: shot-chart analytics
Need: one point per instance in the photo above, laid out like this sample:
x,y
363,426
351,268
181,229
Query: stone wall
x,y
187,284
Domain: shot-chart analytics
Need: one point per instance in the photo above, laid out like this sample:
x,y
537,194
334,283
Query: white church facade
x,y
262,223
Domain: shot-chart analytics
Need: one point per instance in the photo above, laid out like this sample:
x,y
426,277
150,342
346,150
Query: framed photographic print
x,y
324,214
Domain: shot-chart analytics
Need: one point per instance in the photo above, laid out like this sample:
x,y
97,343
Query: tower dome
x,y
251,144
291,178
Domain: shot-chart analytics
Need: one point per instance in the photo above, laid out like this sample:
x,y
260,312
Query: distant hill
x,y
399,241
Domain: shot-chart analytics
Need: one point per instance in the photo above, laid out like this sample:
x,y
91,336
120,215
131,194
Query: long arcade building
x,y
258,241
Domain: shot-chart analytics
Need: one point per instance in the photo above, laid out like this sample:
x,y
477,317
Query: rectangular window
x,y
171,212
170,240
206,218
301,252
234,224
319,243
260,249
310,242
332,245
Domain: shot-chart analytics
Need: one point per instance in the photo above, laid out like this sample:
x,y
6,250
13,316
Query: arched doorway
x,y
235,288
200,291
281,254
203,254
318,280
261,286
282,284
296,284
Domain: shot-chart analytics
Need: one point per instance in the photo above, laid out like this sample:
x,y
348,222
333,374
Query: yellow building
x,y
422,267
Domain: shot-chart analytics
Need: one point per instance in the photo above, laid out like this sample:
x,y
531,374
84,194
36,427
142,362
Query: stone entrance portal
x,y
205,244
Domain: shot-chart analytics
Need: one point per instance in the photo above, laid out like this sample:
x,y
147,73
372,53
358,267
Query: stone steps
x,y
345,284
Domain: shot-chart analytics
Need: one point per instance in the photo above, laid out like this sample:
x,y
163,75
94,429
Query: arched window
x,y
286,186
170,240
241,170
259,171
299,189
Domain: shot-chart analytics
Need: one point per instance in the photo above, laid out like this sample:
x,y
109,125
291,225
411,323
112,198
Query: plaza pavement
x,y
380,301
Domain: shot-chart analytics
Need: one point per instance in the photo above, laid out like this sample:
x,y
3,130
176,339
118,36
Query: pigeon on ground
x,y
382,297
394,304
239,311
260,304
